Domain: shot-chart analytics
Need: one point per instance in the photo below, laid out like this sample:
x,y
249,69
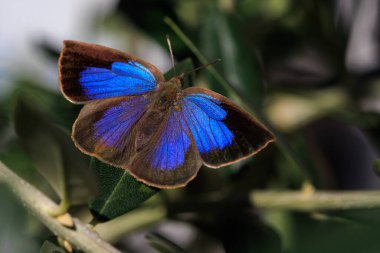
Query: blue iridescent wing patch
x,y
88,72
109,131
205,116
117,121
170,158
222,131
172,146
122,79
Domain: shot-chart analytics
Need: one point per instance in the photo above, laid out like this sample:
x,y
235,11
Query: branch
x,y
113,230
317,201
82,238
303,201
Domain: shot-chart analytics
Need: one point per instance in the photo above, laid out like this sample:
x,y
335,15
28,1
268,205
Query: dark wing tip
x,y
68,73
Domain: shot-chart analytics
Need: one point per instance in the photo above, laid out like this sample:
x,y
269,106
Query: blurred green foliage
x,y
53,153
14,237
289,58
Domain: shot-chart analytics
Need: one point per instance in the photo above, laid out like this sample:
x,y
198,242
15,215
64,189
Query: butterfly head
x,y
176,82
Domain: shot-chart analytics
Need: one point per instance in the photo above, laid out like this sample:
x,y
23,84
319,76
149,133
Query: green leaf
x,y
60,111
14,156
119,192
3,117
350,231
162,244
53,153
222,38
51,247
376,167
182,67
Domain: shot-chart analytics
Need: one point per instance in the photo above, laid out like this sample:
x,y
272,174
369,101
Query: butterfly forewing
x,y
89,72
223,132
106,128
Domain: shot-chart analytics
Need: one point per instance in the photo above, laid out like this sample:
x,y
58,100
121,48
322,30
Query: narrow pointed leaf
x,y
53,152
54,104
222,38
119,192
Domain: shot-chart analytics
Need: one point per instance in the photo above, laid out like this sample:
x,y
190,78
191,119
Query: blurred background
x,y
308,68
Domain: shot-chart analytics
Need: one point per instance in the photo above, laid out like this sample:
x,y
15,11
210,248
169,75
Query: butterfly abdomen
x,y
147,127
164,101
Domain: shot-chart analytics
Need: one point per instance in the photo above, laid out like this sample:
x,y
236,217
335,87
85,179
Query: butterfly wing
x,y
170,158
89,72
106,128
223,132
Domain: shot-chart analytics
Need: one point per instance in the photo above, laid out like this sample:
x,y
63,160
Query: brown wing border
x,y
231,107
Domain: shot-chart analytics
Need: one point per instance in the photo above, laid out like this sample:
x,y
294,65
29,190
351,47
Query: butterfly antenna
x,y
171,52
200,67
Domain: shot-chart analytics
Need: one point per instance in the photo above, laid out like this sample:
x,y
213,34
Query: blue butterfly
x,y
134,119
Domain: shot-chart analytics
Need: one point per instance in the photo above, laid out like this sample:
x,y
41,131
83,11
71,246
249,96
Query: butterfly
x,y
135,119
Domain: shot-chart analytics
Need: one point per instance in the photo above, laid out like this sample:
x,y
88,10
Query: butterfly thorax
x,y
168,94
166,99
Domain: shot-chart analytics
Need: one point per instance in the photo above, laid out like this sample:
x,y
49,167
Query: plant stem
x,y
282,200
317,201
114,229
82,237
61,208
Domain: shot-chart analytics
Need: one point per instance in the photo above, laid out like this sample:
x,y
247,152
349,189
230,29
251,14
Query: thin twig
x,y
281,200
82,237
317,201
135,220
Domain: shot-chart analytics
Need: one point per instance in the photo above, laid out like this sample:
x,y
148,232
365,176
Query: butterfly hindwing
x,y
89,72
106,128
170,158
223,132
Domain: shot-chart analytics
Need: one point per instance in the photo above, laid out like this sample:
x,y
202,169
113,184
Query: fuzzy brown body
x,y
166,99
